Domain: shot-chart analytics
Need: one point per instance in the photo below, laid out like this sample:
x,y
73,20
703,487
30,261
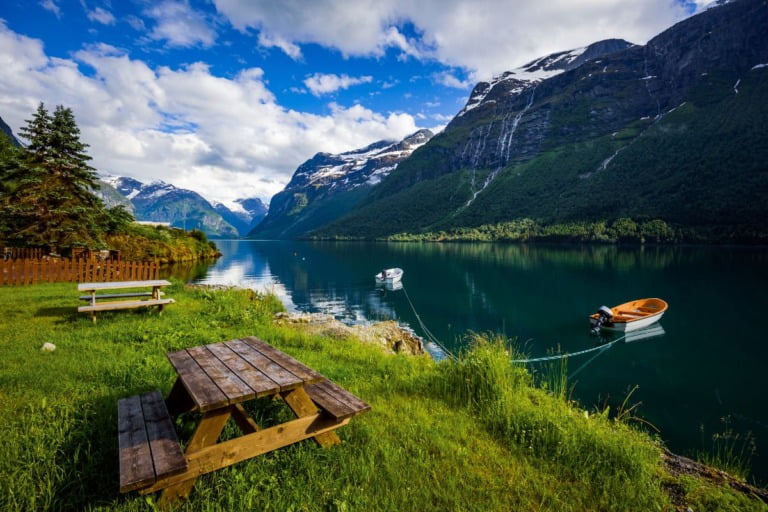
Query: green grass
x,y
472,434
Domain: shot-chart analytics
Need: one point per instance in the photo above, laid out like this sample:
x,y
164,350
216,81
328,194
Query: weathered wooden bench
x,y
149,447
126,304
153,298
335,401
88,298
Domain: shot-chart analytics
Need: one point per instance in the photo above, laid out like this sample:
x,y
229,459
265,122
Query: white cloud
x,y
448,80
135,22
51,5
102,16
180,25
355,28
222,137
484,37
321,83
290,49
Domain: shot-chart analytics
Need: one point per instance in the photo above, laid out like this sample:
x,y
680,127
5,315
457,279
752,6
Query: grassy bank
x,y
162,244
474,434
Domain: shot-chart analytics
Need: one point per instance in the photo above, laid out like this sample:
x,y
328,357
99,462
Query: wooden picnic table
x,y
139,299
216,380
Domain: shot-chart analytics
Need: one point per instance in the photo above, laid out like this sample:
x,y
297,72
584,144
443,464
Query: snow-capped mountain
x,y
244,215
365,166
517,80
162,202
327,186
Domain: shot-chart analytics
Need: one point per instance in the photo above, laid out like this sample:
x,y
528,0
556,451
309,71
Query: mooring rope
x,y
431,337
571,354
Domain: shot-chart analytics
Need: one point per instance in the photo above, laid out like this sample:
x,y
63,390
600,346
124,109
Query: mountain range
x,y
161,202
676,129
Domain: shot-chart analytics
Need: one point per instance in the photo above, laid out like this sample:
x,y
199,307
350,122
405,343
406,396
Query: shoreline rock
x,y
387,334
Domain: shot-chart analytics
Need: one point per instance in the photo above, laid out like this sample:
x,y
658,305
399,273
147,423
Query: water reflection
x,y
542,296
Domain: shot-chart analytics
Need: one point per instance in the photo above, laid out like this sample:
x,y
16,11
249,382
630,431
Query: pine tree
x,y
51,202
10,163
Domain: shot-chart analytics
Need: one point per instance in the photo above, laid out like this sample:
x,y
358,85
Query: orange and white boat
x,y
628,316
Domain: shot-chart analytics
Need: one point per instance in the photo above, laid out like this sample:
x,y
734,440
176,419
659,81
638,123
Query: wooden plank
x,y
282,377
136,469
302,405
236,450
206,434
87,287
246,424
118,295
299,369
260,383
226,380
328,403
202,390
163,442
130,304
337,401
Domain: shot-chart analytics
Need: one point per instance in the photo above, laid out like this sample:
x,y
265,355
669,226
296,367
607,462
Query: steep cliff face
x,y
560,138
327,186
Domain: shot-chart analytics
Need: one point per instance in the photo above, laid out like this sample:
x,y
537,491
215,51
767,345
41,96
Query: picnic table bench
x,y
140,298
216,380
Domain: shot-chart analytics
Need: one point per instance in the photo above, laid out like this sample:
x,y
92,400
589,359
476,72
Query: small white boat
x,y
389,275
629,316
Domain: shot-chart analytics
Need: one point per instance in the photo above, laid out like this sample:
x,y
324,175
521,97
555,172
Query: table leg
x,y
178,400
300,403
206,434
246,424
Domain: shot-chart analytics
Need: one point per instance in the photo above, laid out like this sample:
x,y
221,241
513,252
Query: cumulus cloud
x,y
355,28
484,37
224,137
449,80
177,23
102,16
320,83
290,49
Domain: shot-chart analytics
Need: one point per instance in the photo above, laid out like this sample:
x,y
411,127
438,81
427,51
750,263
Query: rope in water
x,y
431,337
571,354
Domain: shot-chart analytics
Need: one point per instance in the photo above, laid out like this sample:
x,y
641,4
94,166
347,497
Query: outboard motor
x,y
604,314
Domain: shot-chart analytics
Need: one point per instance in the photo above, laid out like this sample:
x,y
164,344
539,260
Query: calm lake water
x,y
706,373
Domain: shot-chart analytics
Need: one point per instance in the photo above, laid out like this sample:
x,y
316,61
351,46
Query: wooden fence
x,y
75,253
15,253
57,270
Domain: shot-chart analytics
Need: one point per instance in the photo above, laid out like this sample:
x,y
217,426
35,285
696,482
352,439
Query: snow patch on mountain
x,y
538,70
360,167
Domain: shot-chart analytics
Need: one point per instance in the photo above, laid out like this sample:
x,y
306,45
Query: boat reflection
x,y
390,286
653,331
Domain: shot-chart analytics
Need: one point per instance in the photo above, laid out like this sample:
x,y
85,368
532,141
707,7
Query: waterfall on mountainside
x,y
503,145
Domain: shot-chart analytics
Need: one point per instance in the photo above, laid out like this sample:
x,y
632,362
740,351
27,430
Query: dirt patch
x,y
678,465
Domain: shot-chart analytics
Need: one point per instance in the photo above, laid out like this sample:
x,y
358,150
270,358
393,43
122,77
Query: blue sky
x,y
228,97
